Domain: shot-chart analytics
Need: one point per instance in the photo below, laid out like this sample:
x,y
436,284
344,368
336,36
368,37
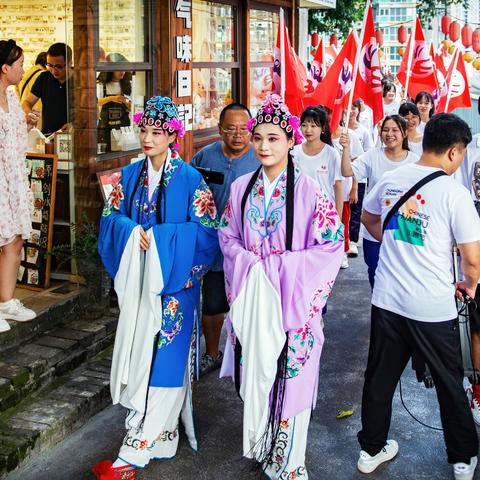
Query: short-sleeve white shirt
x,y
414,277
324,168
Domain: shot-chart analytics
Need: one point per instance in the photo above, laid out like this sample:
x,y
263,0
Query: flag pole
x,y
410,58
282,54
455,64
357,63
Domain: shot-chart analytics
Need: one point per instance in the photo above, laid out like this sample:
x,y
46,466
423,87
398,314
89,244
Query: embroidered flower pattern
x,y
172,321
326,220
227,215
318,300
167,436
297,474
137,443
204,206
300,345
196,274
114,199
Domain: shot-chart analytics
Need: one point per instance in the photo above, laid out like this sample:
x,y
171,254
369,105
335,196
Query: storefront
x,y
204,54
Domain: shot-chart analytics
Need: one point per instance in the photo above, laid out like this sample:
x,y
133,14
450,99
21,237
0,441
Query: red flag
x,y
368,85
334,89
331,54
422,76
296,81
317,69
440,73
458,93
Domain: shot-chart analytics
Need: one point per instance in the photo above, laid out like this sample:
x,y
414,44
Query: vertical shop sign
x,y
183,57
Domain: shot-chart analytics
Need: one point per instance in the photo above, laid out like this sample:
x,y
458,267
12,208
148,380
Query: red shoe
x,y
105,471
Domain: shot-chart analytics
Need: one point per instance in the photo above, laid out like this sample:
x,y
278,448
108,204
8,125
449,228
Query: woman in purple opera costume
x,y
283,244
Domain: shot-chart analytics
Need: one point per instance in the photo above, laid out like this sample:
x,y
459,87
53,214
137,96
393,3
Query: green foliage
x,y
340,19
84,247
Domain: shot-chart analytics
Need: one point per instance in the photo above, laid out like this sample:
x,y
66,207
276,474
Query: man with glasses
x,y
54,88
234,157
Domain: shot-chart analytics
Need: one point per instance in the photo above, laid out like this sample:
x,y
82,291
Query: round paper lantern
x,y
313,51
333,40
401,51
447,43
476,40
380,53
402,34
451,49
454,31
467,34
446,21
468,57
476,64
314,39
379,37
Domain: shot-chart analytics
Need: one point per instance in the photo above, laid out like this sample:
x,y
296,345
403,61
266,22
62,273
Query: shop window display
x,y
123,72
263,35
215,67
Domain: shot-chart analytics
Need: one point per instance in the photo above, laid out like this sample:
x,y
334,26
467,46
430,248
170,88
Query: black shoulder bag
x,y
407,195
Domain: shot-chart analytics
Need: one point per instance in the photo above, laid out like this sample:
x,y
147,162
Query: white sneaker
x,y
16,310
464,471
352,250
467,386
367,463
475,409
344,262
4,326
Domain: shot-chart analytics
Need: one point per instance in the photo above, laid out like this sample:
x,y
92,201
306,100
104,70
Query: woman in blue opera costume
x,y
157,238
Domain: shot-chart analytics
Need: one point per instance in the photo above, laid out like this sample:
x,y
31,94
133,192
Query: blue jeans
x,y
371,252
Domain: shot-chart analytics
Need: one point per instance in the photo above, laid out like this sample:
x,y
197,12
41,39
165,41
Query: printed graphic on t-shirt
x,y
323,170
476,180
409,225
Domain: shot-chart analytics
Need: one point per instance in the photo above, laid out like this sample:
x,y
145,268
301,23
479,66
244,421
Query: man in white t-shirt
x,y
469,176
413,302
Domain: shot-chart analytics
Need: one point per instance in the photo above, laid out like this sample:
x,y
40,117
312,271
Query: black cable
x,y
461,313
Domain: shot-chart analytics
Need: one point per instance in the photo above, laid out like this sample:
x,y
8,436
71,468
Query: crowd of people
x,y
257,251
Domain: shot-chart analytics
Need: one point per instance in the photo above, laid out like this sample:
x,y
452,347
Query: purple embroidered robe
x,y
303,277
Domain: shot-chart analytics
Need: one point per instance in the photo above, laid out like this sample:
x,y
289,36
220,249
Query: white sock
x,y
5,304
119,463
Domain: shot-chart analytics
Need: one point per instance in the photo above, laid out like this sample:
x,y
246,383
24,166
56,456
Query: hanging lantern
x,y
313,52
451,49
314,39
476,40
379,37
476,64
468,57
333,40
447,43
401,51
446,21
467,34
454,31
402,34
380,53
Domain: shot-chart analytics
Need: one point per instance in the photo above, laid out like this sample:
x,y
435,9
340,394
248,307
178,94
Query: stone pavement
x,y
332,449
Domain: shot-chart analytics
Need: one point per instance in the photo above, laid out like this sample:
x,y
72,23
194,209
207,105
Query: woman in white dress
x,y
16,201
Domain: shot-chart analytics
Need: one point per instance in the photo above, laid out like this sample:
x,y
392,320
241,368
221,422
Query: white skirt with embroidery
x,y
288,460
155,434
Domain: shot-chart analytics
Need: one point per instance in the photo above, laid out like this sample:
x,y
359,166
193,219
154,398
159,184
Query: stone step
x,y
46,417
53,306
43,359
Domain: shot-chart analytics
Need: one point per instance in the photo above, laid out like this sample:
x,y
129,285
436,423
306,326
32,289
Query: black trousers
x,y
392,340
356,213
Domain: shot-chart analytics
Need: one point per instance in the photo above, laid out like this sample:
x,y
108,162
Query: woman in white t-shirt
x,y
365,137
372,165
390,102
350,186
426,106
317,158
410,113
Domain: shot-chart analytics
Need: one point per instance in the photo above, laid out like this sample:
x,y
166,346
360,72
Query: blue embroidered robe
x,y
186,242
